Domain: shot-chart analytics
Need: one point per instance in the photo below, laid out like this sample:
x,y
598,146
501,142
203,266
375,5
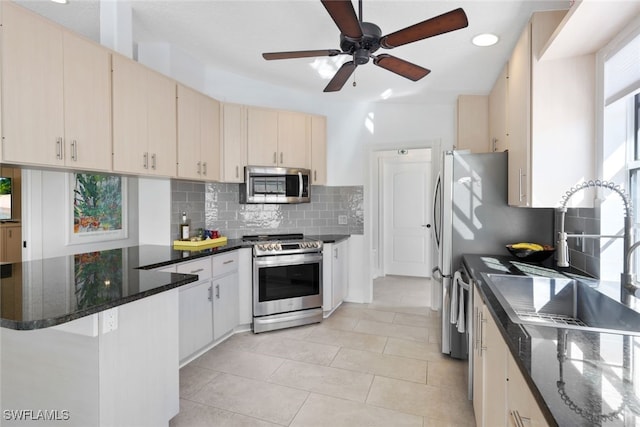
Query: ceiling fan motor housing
x,y
363,47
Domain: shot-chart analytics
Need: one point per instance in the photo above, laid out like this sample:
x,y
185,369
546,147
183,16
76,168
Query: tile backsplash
x,y
585,256
332,210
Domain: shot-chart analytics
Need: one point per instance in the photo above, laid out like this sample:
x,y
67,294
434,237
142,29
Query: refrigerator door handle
x,y
437,218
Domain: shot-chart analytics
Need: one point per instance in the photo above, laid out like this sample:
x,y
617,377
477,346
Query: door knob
x,y
427,225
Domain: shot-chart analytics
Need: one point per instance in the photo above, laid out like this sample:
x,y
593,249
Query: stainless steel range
x,y
287,281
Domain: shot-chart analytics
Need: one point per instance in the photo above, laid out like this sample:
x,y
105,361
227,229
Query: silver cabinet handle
x,y
281,157
10,233
521,195
228,261
335,253
518,419
199,168
153,161
210,292
274,158
59,148
315,176
204,168
145,160
198,270
217,291
483,347
237,176
74,150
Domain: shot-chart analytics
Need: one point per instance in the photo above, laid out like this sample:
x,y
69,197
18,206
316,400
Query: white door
x,y
407,215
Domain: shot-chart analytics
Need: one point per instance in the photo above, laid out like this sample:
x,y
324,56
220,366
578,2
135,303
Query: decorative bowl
x,y
531,255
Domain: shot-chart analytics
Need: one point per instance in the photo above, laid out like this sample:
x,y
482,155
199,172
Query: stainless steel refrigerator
x,y
471,216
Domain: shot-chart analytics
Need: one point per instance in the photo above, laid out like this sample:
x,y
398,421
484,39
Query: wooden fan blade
x,y
450,21
341,77
401,67
300,54
344,16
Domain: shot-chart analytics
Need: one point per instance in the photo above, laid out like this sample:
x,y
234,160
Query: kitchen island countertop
x,y
43,293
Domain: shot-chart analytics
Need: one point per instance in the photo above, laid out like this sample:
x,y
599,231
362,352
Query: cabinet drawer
x,y
224,263
201,267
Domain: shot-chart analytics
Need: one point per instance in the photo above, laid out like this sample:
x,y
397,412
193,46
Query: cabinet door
x,y
518,120
522,406
498,113
293,140
32,90
225,305
87,104
13,244
339,273
234,142
161,124
130,153
210,138
196,317
262,137
473,123
478,358
318,150
189,161
495,374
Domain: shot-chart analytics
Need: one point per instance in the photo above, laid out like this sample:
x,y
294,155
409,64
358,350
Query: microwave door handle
x,y
300,184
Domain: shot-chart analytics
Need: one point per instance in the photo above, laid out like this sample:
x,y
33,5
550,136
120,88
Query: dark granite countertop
x,y
48,292
578,378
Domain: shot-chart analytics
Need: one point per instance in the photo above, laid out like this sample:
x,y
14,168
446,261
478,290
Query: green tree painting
x,y
97,203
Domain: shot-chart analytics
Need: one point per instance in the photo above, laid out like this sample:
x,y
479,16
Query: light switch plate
x,y
342,219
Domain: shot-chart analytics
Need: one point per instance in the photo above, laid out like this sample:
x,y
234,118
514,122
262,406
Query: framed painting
x,y
97,207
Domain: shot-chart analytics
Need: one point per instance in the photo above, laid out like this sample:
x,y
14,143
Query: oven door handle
x,y
283,260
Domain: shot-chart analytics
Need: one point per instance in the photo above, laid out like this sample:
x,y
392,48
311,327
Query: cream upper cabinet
x,y
87,104
144,120
278,138
56,95
234,142
262,137
318,150
293,140
473,123
498,113
198,135
551,113
32,88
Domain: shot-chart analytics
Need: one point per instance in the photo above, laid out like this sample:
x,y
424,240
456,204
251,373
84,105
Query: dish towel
x,y
453,308
461,318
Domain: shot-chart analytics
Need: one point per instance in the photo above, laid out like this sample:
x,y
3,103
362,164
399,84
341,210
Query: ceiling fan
x,y
361,39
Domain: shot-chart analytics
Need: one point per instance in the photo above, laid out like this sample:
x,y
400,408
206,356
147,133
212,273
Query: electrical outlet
x,y
342,220
110,320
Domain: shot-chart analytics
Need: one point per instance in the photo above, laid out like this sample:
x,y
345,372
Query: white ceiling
x,y
232,35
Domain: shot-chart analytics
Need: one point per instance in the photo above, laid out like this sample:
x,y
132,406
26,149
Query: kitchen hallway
x,y
375,364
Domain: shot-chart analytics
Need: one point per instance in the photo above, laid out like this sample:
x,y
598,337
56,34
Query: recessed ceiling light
x,y
486,39
60,1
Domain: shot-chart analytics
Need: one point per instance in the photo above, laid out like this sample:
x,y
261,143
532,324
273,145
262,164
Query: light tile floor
x,y
375,364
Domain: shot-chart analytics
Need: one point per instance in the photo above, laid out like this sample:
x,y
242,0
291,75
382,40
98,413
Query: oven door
x,y
284,283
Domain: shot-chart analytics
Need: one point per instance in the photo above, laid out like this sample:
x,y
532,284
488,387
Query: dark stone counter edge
x,y
232,245
177,280
183,279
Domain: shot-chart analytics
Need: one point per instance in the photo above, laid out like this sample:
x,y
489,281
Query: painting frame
x,y
96,228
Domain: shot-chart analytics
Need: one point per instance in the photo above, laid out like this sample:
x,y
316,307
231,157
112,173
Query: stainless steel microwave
x,y
263,184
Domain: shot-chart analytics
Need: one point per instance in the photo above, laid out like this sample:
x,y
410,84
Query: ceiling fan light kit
x,y
361,39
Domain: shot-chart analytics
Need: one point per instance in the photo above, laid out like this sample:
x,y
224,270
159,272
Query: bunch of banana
x,y
530,246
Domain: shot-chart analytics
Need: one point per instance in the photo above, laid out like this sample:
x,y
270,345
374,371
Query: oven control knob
x,y
262,247
277,247
271,246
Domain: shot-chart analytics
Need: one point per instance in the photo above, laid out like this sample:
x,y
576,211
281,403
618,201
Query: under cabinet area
x,y
198,135
56,95
550,116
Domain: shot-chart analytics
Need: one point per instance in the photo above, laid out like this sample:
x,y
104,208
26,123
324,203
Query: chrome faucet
x,y
627,279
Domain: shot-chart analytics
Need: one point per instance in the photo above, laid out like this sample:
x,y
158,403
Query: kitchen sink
x,y
562,303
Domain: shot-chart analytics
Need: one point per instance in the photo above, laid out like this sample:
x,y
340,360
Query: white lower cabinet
x,y
501,396
196,317
225,293
335,275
